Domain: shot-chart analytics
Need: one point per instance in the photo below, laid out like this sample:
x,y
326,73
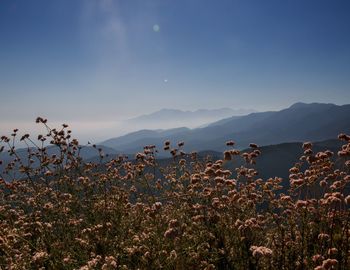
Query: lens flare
x,y
156,28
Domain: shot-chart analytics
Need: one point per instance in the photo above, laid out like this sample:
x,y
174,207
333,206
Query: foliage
x,y
64,213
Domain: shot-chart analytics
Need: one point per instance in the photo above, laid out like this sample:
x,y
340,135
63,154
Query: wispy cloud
x,y
104,31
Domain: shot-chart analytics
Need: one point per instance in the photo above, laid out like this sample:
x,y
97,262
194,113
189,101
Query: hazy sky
x,y
89,61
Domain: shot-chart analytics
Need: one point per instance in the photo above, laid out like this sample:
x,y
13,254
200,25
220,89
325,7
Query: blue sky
x,y
100,61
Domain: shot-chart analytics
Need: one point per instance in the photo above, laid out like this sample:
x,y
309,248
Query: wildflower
x,y
286,198
316,258
253,145
67,259
133,189
230,143
257,152
198,218
230,182
296,182
39,120
182,162
343,137
321,155
48,206
110,262
307,145
227,155
147,255
347,199
174,223
332,251
149,176
260,251
235,152
219,180
215,202
329,263
93,262
158,184
308,152
323,237
40,256
157,205
173,255
170,233
195,178
323,183
301,204
173,152
25,136
343,153
140,156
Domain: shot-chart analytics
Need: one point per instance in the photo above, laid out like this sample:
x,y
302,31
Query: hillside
x,y
299,122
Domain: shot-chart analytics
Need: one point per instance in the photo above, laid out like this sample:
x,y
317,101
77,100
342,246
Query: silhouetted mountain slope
x,y
152,136
222,121
300,122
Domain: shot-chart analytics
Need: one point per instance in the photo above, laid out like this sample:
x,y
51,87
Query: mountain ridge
x,y
299,122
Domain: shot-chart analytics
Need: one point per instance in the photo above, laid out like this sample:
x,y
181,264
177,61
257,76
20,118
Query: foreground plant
x,y
58,211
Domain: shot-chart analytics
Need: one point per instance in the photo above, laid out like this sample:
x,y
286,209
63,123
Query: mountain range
x,y
172,118
300,122
179,115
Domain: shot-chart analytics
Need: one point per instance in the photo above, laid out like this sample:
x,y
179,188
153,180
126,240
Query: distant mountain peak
x,y
194,113
166,118
298,105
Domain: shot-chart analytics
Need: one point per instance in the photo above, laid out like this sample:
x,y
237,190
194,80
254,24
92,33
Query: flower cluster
x,y
58,211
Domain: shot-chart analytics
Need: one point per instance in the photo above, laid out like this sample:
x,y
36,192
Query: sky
x,y
94,63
